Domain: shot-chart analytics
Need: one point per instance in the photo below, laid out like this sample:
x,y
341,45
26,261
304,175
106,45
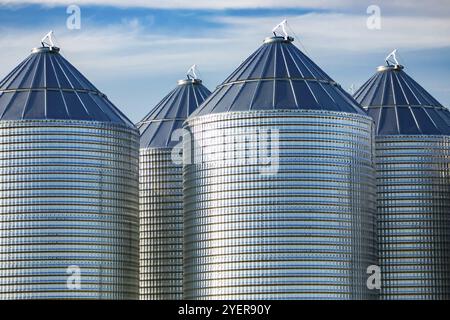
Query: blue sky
x,y
135,50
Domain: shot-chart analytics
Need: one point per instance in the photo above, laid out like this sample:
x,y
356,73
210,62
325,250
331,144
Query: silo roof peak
x,y
278,76
399,105
191,76
45,86
168,115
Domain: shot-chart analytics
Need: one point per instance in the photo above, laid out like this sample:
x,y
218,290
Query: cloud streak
x,y
437,7
130,46
114,56
198,4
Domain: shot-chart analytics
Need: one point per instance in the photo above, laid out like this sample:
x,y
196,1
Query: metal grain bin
x,y
279,185
161,193
68,186
413,178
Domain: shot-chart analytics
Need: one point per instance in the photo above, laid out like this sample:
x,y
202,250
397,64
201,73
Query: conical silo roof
x,y
45,86
169,114
400,106
278,76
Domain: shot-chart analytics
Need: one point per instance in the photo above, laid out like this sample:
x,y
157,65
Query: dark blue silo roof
x,y
157,127
278,76
45,86
400,106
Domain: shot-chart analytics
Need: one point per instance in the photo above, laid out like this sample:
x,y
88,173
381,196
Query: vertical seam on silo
x,y
412,92
295,63
274,87
306,81
394,99
237,95
366,89
160,106
243,67
45,87
409,87
300,59
16,72
384,89
75,91
289,76
423,103
194,93
64,73
408,102
31,87
258,83
431,119
99,106
418,91
59,86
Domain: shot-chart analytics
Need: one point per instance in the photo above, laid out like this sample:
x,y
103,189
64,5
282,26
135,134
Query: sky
x,y
134,51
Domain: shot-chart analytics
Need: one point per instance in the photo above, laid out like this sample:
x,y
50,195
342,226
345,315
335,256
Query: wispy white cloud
x,y
348,32
129,46
198,4
390,6
128,50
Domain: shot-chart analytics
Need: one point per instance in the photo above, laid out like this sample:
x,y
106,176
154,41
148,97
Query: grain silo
x,y
279,185
413,183
68,188
161,191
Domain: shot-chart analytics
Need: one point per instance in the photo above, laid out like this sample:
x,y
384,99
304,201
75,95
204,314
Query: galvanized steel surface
x,y
161,192
413,216
69,199
161,225
307,232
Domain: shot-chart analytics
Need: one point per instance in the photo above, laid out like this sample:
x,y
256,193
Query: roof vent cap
x,y
391,62
280,38
48,44
191,76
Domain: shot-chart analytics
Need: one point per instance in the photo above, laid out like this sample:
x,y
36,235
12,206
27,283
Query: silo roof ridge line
x,y
332,82
97,92
160,120
408,105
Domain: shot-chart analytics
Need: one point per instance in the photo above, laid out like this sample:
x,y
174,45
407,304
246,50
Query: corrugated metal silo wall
x,y
69,207
414,216
307,232
161,225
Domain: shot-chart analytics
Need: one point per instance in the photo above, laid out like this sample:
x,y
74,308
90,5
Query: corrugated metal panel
x,y
68,186
413,214
307,232
412,162
278,76
69,197
161,193
47,86
161,226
